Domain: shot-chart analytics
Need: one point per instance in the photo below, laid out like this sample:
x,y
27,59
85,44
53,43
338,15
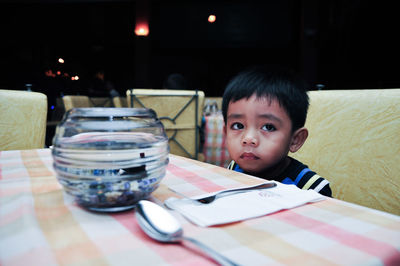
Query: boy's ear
x,y
298,139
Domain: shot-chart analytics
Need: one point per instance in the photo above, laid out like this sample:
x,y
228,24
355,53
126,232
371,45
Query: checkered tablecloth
x,y
214,149
41,225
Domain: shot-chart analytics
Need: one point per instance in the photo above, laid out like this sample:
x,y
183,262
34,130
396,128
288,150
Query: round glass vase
x,y
110,158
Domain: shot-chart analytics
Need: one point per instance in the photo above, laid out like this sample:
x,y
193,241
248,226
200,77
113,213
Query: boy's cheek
x,y
232,144
231,137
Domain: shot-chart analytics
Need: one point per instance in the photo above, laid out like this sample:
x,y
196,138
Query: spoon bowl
x,y
162,226
157,223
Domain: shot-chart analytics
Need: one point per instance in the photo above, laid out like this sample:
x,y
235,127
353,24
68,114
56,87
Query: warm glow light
x,y
142,29
58,72
60,60
72,78
212,18
49,73
76,77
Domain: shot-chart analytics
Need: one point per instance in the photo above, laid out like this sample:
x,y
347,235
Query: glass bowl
x,y
110,158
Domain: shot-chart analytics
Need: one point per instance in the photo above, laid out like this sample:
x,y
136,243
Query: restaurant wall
x,y
339,43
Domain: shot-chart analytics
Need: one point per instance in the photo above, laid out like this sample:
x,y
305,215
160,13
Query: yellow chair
x,y
101,101
120,101
76,101
354,142
81,101
180,111
23,118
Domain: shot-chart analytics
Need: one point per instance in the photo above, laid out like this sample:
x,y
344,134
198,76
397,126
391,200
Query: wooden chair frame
x,y
133,96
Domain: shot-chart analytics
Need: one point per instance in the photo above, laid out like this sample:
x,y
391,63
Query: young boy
x,y
264,113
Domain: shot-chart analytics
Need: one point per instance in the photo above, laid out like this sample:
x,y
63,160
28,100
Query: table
x,y
214,149
41,225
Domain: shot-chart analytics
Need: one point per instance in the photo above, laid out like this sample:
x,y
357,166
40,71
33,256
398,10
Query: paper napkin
x,y
241,206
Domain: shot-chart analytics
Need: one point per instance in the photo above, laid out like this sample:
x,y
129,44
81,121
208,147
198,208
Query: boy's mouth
x,y
248,156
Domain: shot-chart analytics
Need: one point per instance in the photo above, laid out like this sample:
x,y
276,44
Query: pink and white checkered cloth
x,y
41,225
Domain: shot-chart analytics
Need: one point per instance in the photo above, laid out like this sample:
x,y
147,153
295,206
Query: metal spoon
x,y
162,226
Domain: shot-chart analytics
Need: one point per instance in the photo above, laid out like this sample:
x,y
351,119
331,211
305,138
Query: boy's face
x,y
258,133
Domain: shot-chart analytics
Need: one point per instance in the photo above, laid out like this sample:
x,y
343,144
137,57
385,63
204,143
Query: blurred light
x,y
60,60
58,72
52,107
212,18
49,73
142,29
66,75
76,77
72,78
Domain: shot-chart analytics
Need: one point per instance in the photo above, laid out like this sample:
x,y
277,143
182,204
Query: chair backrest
x,y
180,111
23,118
120,101
354,142
76,101
101,101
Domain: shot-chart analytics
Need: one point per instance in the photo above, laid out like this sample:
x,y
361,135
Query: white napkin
x,y
241,206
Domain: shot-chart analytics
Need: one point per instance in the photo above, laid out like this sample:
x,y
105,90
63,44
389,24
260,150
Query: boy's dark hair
x,y
280,84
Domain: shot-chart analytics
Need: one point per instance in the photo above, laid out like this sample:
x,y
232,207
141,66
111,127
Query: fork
x,y
209,199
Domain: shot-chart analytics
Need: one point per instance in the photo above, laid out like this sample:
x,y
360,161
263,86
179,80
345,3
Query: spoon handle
x,y
222,260
265,185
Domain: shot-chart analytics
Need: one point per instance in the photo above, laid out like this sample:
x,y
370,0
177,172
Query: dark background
x,y
342,44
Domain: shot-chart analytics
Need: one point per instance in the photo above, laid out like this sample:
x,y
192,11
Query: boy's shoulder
x,y
297,174
235,167
303,177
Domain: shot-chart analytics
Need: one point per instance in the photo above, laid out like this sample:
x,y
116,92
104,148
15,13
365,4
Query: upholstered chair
x,y
23,116
120,101
354,142
76,101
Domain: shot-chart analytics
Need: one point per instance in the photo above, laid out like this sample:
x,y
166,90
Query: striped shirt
x,y
297,174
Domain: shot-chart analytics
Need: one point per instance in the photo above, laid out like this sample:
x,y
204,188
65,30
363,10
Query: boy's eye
x,y
268,127
236,126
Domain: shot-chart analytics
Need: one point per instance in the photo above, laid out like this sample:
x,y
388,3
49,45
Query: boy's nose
x,y
250,138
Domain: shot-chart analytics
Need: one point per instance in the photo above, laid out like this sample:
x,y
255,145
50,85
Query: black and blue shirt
x,y
297,174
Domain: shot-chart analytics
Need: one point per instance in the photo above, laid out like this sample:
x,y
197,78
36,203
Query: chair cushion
x,y
23,118
354,143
